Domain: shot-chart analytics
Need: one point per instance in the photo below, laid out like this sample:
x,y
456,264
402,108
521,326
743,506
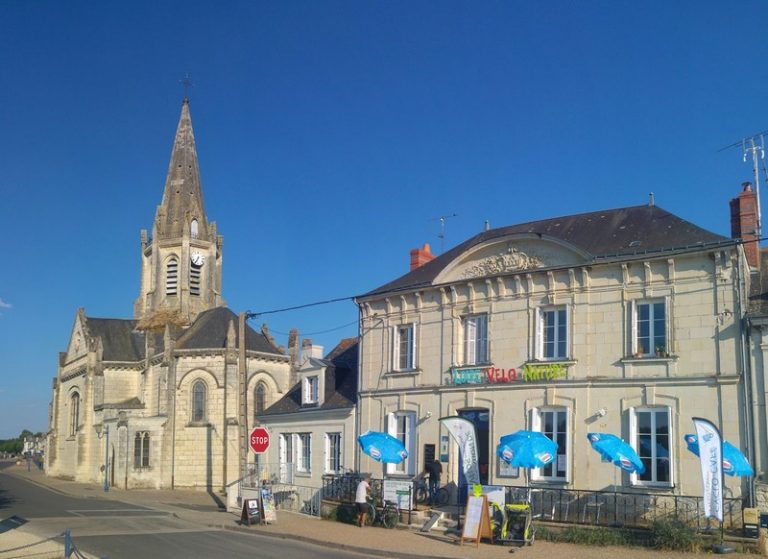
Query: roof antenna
x,y
754,147
650,199
441,235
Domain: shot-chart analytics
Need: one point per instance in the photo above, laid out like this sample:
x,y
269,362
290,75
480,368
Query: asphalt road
x,y
119,530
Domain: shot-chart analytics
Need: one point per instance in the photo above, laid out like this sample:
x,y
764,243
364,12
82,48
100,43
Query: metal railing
x,y
614,508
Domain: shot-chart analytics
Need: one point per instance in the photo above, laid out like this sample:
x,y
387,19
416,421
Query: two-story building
x,y
626,321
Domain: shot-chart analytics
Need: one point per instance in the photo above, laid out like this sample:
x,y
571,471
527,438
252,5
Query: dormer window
x,y
193,229
311,389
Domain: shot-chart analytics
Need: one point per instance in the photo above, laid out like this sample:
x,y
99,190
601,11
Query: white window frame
x,y
652,324
287,457
304,453
333,453
475,328
409,344
651,471
311,389
549,472
561,316
402,426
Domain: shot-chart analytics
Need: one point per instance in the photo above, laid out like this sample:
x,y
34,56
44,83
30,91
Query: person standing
x,y
434,470
361,500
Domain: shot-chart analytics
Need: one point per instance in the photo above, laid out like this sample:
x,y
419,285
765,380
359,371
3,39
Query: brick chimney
x,y
420,256
744,223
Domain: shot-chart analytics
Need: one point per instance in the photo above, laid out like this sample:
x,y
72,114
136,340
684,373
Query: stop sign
x,y
259,440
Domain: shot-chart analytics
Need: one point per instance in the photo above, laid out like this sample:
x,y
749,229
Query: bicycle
x,y
388,516
421,493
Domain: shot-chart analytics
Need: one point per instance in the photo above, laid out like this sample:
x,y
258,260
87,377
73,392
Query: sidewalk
x,y
200,509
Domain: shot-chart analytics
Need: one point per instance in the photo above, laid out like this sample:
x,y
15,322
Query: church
x,y
166,399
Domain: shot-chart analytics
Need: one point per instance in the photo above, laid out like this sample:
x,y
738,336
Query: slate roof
x,y
120,340
209,331
340,383
601,234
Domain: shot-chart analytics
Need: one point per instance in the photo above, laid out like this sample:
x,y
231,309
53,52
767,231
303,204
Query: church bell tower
x,y
181,261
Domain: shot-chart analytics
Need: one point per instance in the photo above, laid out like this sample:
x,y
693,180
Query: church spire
x,y
182,202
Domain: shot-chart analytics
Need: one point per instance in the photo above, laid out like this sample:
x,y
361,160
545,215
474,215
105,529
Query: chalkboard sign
x,y
268,505
251,512
477,522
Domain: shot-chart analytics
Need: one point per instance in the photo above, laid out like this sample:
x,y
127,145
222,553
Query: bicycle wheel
x,y
370,518
390,517
422,495
441,497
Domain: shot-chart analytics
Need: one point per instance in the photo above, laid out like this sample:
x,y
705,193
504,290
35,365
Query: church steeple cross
x,y
187,83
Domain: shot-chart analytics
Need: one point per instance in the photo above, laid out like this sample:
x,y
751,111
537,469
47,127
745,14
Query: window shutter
x,y
538,327
414,361
668,323
535,422
633,440
327,453
633,327
392,430
470,339
394,344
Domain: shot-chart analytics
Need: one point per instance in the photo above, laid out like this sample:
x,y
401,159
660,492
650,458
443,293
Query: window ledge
x,y
562,362
404,373
198,424
650,359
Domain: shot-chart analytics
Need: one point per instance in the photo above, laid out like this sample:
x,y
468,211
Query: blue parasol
x,y
734,462
383,447
615,450
527,449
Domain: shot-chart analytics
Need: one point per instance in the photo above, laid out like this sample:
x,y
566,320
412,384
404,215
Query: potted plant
x,y
660,351
640,352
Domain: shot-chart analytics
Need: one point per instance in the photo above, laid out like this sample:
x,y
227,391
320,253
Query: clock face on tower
x,y
197,258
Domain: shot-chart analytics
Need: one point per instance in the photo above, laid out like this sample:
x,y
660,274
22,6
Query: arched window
x,y
259,400
198,401
74,414
171,276
193,229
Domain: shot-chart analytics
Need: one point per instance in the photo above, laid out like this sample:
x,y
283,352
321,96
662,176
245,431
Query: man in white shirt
x,y
361,499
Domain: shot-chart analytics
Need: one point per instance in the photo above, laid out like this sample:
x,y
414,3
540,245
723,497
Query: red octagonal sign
x,y
259,440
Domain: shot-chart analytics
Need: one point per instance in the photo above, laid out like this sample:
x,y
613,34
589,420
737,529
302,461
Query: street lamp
x,y
98,428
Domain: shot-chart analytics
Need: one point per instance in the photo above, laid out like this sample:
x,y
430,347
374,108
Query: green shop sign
x,y
495,375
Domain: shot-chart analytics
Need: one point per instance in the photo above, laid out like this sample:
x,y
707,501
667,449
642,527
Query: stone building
x,y
166,399
625,321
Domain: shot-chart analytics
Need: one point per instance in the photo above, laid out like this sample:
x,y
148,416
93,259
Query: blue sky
x,y
331,135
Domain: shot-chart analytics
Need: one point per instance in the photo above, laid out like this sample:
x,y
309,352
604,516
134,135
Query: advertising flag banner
x,y
463,432
711,460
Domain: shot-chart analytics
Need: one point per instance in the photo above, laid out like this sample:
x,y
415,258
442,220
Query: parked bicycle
x,y
388,515
421,493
